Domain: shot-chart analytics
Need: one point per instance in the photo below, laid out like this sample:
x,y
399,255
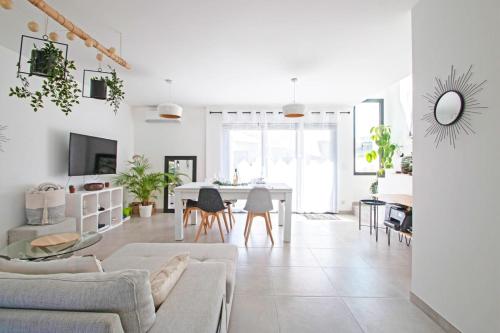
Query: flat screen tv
x,y
90,155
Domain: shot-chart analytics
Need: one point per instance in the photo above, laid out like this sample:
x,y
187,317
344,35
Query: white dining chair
x,y
258,203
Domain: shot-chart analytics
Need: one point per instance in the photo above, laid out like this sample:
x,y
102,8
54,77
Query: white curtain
x,y
262,143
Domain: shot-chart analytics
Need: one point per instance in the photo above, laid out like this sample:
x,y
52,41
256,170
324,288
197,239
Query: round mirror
x,y
449,107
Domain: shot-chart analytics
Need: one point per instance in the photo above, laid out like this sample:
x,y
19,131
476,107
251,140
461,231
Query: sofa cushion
x,y
126,293
166,277
86,264
195,304
151,256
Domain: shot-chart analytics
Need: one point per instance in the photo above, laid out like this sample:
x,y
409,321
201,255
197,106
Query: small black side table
x,y
374,204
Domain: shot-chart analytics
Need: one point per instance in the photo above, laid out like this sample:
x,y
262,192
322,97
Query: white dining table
x,y
281,193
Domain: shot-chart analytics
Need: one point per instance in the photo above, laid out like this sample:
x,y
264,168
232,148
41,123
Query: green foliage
x,y
59,86
374,187
116,94
144,185
381,136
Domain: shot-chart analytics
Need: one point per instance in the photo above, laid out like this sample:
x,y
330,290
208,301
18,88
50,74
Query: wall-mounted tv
x,y
90,155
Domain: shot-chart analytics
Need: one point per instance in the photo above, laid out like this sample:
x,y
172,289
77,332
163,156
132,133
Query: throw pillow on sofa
x,y
86,264
163,280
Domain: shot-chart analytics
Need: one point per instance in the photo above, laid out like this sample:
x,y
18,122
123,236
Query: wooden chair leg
x,y
249,229
184,216
268,227
246,225
202,225
270,221
212,221
225,220
232,220
220,228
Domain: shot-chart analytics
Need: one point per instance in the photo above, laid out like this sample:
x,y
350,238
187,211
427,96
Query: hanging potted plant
x,y
108,87
58,84
144,185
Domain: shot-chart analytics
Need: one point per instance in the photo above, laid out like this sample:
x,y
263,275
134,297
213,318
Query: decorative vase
x,y
98,89
145,211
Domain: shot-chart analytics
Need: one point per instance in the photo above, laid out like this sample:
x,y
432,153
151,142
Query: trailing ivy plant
x,y
381,136
59,84
116,94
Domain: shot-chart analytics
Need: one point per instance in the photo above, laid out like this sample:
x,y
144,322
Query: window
x,y
368,114
301,156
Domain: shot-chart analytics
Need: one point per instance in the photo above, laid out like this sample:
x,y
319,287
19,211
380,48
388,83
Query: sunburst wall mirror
x,y
452,105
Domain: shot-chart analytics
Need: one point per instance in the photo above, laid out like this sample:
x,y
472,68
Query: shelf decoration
x,y
3,137
47,59
452,105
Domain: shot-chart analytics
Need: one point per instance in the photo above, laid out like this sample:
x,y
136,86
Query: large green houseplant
x,y
381,136
144,184
59,85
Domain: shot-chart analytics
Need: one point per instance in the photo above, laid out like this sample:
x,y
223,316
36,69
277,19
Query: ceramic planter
x,y
145,211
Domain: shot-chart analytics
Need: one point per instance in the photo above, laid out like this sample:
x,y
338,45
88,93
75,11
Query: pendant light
x,y
169,110
294,110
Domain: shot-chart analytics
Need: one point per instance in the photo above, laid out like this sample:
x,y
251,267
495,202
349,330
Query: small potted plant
x,y
143,184
407,165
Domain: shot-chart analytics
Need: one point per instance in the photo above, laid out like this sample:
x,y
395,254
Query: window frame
x,y
380,102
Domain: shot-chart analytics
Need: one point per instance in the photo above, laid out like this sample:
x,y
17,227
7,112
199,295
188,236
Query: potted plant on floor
x,y
143,184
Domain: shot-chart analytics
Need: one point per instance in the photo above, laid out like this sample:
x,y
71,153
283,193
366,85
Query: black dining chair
x,y
191,206
210,204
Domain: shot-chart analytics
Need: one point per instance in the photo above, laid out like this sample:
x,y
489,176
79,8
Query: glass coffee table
x,y
23,250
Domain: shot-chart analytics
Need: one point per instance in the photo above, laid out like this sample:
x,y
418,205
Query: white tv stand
x,y
94,208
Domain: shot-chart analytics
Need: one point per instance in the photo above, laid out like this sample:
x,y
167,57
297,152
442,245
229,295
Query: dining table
x,y
280,193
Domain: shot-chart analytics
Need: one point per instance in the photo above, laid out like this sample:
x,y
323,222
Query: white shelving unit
x,y
96,210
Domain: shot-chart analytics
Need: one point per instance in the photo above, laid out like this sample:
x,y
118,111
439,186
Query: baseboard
x,y
440,320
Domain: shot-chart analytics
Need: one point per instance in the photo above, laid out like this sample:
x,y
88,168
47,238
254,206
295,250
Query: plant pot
x,y
407,164
98,89
145,211
135,207
40,64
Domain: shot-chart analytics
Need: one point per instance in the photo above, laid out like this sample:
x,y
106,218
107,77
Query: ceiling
x,y
239,51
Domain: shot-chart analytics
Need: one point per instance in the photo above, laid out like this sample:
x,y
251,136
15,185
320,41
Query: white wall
x,y
38,147
456,191
185,138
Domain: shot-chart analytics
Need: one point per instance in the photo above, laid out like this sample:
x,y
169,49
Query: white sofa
x,y
119,300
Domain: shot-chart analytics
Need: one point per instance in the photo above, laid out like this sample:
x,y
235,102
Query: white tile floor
x,y
329,278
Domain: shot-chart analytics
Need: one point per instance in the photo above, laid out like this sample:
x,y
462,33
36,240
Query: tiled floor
x,y
329,278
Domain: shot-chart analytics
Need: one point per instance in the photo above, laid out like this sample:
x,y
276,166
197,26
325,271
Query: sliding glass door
x,y
318,180
301,157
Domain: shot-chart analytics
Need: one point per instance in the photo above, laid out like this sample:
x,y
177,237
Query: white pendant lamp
x,y
294,110
169,110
